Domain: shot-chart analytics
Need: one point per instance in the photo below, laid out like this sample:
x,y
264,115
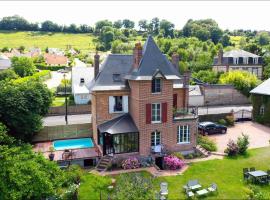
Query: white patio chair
x,y
212,188
164,188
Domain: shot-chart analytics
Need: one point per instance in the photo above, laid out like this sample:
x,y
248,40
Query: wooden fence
x,y
72,110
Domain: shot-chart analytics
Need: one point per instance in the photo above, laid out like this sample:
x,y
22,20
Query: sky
x,y
254,15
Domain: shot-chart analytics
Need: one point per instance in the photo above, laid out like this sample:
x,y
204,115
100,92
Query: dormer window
x,y
82,80
116,77
156,85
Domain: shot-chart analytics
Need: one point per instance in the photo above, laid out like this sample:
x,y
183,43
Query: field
x,y
42,40
226,173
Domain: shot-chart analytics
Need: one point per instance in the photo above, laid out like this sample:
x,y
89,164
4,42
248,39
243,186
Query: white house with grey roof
x,y
82,78
238,60
5,62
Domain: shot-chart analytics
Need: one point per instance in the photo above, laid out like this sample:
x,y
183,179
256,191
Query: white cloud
x,y
229,14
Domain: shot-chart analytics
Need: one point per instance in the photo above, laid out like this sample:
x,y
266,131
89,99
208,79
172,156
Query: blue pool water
x,y
73,144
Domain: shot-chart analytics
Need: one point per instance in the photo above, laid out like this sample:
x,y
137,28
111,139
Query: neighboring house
x,y
13,53
133,103
261,102
5,62
82,78
55,60
238,60
196,97
34,52
56,51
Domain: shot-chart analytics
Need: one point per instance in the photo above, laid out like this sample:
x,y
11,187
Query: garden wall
x,y
49,133
72,110
223,95
213,117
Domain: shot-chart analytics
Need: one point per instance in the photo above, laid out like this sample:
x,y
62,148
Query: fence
x,y
49,133
73,110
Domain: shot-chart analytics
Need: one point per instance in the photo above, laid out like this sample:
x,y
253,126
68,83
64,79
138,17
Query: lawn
x,y
42,40
226,173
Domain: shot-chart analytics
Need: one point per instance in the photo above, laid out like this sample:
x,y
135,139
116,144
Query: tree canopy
x,y
23,66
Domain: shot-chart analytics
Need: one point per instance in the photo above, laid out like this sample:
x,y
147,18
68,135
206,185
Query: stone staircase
x,y
203,151
104,163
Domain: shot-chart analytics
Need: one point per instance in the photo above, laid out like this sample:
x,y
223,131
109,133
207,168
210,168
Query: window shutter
x,y
175,100
111,104
125,103
164,112
148,113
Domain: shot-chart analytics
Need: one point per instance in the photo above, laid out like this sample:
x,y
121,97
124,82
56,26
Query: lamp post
x,y
66,119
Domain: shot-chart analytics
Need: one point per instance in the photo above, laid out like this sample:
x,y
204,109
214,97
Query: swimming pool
x,y
73,144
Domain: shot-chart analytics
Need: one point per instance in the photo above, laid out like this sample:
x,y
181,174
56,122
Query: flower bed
x,y
172,162
131,163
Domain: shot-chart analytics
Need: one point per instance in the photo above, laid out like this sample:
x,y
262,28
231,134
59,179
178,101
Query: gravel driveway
x,y
259,135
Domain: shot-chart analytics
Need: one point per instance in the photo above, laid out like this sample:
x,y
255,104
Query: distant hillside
x,y
83,42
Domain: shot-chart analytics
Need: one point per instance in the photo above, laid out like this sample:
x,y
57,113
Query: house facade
x,y
238,60
55,60
261,102
140,104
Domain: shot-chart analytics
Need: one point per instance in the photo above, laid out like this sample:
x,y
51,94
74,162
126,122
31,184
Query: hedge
x,y
39,76
206,143
51,68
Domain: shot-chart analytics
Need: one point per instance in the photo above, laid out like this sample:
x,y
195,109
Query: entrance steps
x,y
202,150
104,163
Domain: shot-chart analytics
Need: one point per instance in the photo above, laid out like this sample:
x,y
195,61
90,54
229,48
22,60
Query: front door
x,y
108,144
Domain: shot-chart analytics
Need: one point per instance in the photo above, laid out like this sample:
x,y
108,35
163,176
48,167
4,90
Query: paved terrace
x,y
72,119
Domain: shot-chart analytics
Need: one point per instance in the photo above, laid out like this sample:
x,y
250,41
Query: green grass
x,y
58,101
226,173
42,40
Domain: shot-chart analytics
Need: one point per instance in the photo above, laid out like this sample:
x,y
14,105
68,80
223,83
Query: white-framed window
x,y
262,110
183,134
155,138
82,80
84,96
156,85
118,104
156,113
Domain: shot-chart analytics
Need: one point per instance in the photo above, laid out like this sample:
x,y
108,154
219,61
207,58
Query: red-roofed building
x,y
55,60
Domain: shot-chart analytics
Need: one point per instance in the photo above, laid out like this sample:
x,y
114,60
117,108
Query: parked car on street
x,y
207,128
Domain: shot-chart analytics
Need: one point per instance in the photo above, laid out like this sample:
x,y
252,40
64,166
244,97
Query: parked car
x,y
207,128
61,71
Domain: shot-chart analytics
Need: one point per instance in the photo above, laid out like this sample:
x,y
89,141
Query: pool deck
x,y
44,147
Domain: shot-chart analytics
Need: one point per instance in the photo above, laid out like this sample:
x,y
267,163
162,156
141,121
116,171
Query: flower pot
x,y
51,156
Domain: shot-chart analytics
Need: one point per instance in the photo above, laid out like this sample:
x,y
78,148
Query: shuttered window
x,y
174,100
148,113
164,112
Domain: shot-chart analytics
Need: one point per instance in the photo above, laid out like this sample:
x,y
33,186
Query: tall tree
x,y
23,66
128,24
167,27
143,25
118,24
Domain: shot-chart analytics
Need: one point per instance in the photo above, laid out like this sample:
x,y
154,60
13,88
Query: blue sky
x,y
229,14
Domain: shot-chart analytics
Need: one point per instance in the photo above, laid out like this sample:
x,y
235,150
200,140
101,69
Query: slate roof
x,y
263,88
121,124
113,64
239,53
152,60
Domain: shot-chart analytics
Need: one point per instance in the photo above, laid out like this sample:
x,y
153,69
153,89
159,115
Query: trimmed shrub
x,y
173,163
232,148
229,120
131,163
242,143
206,143
51,68
222,122
178,155
39,76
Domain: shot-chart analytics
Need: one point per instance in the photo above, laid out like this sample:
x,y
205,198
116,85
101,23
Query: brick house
x,y
140,104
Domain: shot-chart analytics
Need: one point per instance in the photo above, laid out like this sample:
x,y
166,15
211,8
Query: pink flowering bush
x,y
131,163
173,163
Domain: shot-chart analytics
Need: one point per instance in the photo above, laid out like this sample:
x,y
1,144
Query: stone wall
x,y
223,95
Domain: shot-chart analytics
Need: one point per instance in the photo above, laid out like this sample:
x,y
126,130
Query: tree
x,y
50,26
207,76
118,24
154,26
264,38
23,66
167,27
241,80
100,24
128,24
143,24
134,187
21,49
22,107
5,49
225,40
7,75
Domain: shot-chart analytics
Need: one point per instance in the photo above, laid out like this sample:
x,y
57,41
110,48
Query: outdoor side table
x,y
202,192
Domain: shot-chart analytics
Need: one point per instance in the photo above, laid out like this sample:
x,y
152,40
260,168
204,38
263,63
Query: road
x,y
56,78
72,119
222,109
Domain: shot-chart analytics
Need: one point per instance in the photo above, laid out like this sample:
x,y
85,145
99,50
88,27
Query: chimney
x,y
137,55
186,78
220,56
175,60
96,64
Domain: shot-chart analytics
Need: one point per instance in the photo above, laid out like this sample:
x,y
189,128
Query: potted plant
x,y
51,155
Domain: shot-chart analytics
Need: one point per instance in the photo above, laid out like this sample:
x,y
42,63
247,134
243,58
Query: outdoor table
x,y
257,175
195,187
202,192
